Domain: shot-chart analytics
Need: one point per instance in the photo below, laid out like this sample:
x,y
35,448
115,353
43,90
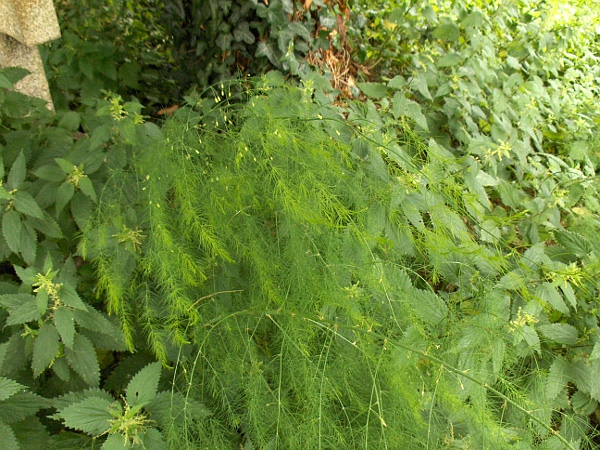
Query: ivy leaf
x,y
17,173
375,90
45,348
26,204
142,387
7,437
63,195
65,324
82,359
91,415
563,333
8,388
12,228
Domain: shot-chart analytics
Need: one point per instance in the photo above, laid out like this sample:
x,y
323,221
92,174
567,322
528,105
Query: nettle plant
x,y
55,339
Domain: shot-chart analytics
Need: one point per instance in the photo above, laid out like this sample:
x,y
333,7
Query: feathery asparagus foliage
x,y
325,283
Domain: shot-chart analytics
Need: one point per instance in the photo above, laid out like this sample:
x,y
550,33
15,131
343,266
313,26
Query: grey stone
x,y
24,24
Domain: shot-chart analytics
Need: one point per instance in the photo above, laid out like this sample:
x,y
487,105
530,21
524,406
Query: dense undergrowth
x,y
400,258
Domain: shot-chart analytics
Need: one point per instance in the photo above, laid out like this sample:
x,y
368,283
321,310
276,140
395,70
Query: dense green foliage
x,y
413,267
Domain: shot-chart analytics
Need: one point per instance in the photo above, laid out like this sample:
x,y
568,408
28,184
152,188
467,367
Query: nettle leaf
x,y
66,166
117,441
449,60
82,359
63,196
47,225
573,242
563,333
142,387
20,406
153,439
448,31
419,82
50,173
65,324
550,295
22,308
17,173
70,120
430,308
26,204
12,227
402,106
92,415
375,90
86,186
8,388
28,243
69,296
7,437
45,348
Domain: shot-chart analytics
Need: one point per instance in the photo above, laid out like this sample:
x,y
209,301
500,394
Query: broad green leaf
x,y
573,242
69,297
47,225
20,406
563,333
81,207
50,173
12,228
430,308
82,359
8,388
5,82
32,434
419,82
26,204
375,90
45,348
448,31
531,337
583,404
61,368
117,441
153,439
397,82
91,415
7,437
28,243
17,173
475,19
550,294
21,307
70,120
65,324
142,387
85,184
41,300
402,106
66,166
63,195
28,275
449,60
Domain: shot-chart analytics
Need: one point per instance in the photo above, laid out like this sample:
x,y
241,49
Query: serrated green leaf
x,y
47,225
563,333
45,348
31,434
81,207
397,82
61,369
77,396
20,406
430,308
583,404
573,242
375,90
69,297
142,387
41,300
419,82
26,204
8,438
28,275
70,120
153,439
82,359
86,186
50,173
475,19
449,60
448,31
63,196
65,324
15,74
21,307
402,106
116,441
28,244
12,227
66,166
8,388
17,173
531,337
90,415
548,293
